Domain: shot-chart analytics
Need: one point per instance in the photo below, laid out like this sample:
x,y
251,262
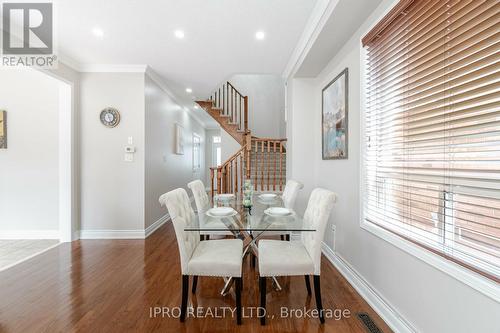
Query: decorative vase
x,y
247,193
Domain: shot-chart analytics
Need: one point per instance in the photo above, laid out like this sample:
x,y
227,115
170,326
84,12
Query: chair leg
x,y
262,285
195,282
202,237
207,237
282,237
185,287
253,260
238,300
308,284
288,237
317,294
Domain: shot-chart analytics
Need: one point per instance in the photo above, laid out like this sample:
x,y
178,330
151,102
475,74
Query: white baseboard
x,y
153,227
111,234
29,234
387,312
125,234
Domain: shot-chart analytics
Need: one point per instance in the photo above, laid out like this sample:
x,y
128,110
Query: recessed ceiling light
x,y
260,35
196,106
179,34
189,90
98,32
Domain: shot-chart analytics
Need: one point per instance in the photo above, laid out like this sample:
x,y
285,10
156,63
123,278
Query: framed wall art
x,y
3,129
334,118
179,139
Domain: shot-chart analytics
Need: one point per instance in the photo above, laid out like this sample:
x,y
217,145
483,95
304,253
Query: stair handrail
x,y
233,104
228,180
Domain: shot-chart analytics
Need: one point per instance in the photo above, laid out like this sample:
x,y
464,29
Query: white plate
x,y
267,196
225,196
278,211
221,212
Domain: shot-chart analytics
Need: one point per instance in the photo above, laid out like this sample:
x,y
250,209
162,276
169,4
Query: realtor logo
x,y
28,34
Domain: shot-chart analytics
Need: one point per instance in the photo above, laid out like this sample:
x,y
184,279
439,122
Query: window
x,y
432,131
196,152
218,156
216,151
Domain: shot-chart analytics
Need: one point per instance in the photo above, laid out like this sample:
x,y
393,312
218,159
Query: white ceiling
x,y
219,37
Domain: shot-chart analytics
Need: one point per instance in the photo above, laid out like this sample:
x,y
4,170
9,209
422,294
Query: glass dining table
x,y
249,224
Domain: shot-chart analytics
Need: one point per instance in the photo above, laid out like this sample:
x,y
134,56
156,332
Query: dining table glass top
x,y
258,218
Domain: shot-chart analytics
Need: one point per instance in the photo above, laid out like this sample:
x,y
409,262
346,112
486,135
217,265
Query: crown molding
x,y
112,68
68,61
159,81
101,68
163,86
147,70
319,16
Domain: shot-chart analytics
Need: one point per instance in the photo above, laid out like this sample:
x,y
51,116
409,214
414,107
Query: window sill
x,y
474,280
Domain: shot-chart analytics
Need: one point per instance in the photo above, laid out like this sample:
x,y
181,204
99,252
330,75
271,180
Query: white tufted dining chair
x,y
220,258
289,198
290,193
202,205
277,258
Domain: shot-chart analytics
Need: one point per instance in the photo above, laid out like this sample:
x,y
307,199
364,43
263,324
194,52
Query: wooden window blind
x,y
432,133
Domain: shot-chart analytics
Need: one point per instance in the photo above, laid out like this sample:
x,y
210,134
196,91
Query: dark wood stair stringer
x,y
223,120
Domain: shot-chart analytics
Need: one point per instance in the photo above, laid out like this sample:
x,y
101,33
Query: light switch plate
x,y
129,157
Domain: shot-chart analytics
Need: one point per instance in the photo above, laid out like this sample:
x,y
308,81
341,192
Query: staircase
x,y
230,109
263,160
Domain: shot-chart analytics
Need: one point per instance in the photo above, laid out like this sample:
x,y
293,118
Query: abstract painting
x,y
3,129
334,118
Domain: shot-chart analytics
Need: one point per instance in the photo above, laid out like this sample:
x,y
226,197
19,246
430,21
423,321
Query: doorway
x,y
36,166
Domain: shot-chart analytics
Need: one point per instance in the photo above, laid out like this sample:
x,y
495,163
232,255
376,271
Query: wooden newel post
x,y
212,183
219,180
248,167
245,101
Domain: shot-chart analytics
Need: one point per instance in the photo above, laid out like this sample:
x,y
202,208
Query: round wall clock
x,y
110,117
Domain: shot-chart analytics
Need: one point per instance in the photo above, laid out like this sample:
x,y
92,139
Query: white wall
x,y
429,299
228,144
29,176
112,190
266,108
266,103
165,170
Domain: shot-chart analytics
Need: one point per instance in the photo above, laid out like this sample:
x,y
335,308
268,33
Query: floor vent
x,y
368,322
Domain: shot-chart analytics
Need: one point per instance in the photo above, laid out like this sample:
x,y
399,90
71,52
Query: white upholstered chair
x,y
202,205
277,258
290,193
289,198
220,258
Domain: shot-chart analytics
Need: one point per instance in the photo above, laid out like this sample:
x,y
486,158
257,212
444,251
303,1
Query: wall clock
x,y
110,117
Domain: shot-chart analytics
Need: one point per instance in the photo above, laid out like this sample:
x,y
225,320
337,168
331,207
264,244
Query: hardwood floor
x,y
113,285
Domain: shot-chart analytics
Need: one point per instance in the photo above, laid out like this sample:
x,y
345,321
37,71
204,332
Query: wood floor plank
x,y
111,285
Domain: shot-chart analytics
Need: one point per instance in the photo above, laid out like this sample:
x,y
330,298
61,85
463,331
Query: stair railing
x,y
268,164
233,105
262,160
229,177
